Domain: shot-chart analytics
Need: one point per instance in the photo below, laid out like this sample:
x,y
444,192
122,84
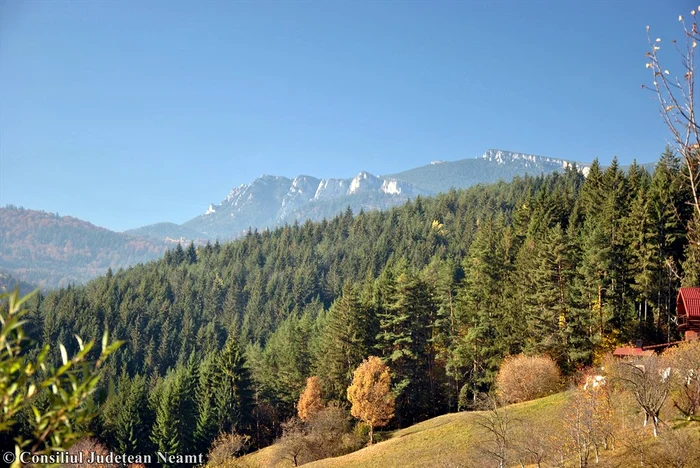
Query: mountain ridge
x,y
270,200
49,250
490,167
73,251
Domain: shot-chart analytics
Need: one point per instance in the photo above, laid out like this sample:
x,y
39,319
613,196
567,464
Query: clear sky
x,y
125,113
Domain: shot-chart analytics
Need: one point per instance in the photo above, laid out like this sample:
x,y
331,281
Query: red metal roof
x,y
688,302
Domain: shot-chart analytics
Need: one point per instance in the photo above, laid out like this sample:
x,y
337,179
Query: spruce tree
x,y
479,303
234,395
128,417
545,271
405,342
347,340
208,415
176,411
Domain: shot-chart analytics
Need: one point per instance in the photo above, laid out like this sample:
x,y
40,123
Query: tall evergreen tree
x,y
405,343
347,340
545,271
128,416
234,396
479,309
176,411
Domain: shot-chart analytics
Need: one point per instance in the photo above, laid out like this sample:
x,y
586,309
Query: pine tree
x,y
176,411
347,340
596,258
178,255
668,202
644,265
545,278
404,340
191,254
234,395
208,415
443,277
616,205
479,300
128,416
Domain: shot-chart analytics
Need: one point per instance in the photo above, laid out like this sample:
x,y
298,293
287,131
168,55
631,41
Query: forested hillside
x,y
9,283
441,288
54,251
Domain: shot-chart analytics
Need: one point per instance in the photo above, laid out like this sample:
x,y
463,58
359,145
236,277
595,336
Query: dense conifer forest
x,y
222,337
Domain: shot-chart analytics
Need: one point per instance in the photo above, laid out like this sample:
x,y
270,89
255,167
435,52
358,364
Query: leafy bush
x,y
523,378
226,447
59,399
326,434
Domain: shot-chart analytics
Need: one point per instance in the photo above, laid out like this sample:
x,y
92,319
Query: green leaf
x,y
64,353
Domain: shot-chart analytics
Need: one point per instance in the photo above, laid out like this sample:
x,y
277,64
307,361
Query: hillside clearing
x,y
442,441
456,440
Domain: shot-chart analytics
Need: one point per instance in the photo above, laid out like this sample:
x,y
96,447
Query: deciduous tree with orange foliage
x,y
310,401
370,394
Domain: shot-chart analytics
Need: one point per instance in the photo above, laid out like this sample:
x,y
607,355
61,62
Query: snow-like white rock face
x,y
391,187
331,188
301,191
271,201
364,181
281,197
529,160
234,193
504,157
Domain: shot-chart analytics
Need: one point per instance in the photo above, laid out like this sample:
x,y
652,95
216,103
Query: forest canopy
x,y
441,289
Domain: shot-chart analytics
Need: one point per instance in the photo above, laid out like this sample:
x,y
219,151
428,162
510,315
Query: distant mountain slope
x,y
8,283
169,232
271,201
492,166
52,251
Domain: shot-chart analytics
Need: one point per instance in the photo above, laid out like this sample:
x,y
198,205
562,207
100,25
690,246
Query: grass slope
x,y
451,438
447,440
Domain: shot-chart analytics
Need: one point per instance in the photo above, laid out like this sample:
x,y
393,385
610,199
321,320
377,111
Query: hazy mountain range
x,y
271,201
50,250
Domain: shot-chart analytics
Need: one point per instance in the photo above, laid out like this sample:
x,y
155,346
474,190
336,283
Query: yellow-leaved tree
x,y
370,394
310,401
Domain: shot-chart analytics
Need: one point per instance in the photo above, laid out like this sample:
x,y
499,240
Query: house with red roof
x,y
688,311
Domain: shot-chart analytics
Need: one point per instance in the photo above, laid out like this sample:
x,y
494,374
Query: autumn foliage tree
x,y
523,378
310,401
370,394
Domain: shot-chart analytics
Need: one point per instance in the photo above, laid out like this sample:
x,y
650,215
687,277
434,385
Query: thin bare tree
x,y
499,426
675,92
650,384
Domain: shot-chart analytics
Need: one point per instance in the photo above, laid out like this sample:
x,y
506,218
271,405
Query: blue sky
x,y
128,113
